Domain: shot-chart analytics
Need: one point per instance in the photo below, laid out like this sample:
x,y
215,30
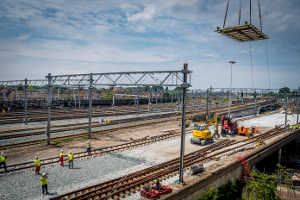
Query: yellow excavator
x,y
201,134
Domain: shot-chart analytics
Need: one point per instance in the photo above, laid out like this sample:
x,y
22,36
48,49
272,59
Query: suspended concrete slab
x,y
242,33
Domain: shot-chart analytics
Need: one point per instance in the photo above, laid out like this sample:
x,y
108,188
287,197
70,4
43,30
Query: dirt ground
x,y
22,154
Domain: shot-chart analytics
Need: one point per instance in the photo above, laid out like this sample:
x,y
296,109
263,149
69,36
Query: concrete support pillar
x,y
279,156
113,99
49,108
25,102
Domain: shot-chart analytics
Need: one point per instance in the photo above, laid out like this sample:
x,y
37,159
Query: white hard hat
x,y
36,157
2,153
70,151
62,150
88,141
44,174
260,138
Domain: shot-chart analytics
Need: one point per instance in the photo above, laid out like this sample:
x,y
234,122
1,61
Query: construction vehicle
x,y
201,134
228,126
156,191
244,130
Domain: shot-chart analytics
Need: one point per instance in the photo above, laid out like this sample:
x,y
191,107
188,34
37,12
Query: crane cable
x,y
226,14
251,65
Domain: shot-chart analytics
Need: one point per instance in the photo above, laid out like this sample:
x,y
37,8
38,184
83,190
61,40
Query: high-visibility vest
x,y
70,156
43,182
291,127
296,126
89,145
61,155
37,162
2,158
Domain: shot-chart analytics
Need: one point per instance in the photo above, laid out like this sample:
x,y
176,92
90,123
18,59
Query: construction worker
x,y
288,127
2,161
291,128
260,142
61,158
3,111
248,134
43,181
89,147
296,126
37,165
70,159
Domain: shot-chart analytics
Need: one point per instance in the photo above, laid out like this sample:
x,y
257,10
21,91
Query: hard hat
x,y
44,174
2,153
36,157
62,150
70,151
88,141
260,138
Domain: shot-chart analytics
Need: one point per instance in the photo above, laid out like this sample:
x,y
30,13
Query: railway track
x,y
99,151
130,183
160,119
41,115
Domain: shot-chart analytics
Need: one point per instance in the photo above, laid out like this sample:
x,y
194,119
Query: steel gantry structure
x,y
170,78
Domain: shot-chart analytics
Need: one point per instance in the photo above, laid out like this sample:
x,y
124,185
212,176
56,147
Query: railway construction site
x,y
129,151
75,126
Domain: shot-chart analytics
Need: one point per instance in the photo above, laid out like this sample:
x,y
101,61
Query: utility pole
x,y
90,106
207,103
184,86
196,99
79,97
286,110
25,107
137,101
149,102
298,104
210,99
156,100
255,102
49,108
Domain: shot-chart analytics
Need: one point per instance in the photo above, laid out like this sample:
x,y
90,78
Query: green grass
x,y
62,141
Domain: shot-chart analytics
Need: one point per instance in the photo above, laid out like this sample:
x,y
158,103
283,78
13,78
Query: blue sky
x,y
69,37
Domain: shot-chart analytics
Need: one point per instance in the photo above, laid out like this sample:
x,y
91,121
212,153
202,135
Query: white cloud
x,y
147,14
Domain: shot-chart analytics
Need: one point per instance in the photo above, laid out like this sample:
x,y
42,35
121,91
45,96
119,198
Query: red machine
x,y
155,191
228,126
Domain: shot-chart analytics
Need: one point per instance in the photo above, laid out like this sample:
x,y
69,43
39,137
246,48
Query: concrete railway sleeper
x,y
125,185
